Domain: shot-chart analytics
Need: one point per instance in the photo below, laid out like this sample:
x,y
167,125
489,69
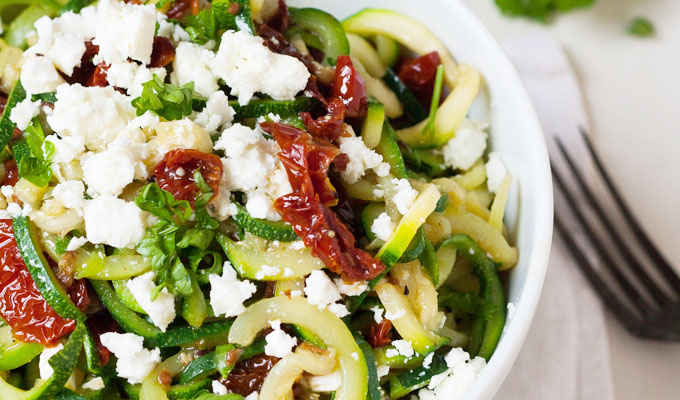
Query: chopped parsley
x,y
541,10
33,154
641,27
169,101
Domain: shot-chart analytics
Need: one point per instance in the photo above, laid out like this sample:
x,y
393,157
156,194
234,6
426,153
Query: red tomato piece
x,y
98,324
98,77
350,87
329,126
307,160
380,333
163,52
21,304
11,173
418,74
176,172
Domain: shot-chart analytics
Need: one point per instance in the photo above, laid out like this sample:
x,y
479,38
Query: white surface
x,y
516,134
631,86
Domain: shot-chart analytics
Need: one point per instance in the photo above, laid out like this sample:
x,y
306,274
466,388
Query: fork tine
x,y
662,265
623,313
633,262
632,292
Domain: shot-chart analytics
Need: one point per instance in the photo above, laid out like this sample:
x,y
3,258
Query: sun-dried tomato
x,y
248,375
21,304
330,126
281,19
380,333
98,324
80,294
175,173
83,73
307,160
278,43
350,87
99,75
418,74
163,53
11,173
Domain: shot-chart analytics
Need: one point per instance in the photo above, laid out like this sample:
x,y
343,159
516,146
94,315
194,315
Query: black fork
x,y
643,296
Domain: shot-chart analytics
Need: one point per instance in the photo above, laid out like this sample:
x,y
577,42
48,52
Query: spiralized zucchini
x,y
306,358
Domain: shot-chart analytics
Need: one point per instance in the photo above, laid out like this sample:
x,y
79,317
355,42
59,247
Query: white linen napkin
x,y
566,354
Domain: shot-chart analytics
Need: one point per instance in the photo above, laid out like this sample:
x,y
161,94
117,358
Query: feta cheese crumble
x,y
134,361
217,113
278,343
227,292
23,112
124,31
75,243
404,195
247,66
361,158
456,380
192,64
320,290
404,347
218,388
466,147
96,383
382,227
351,289
71,194
161,310
38,75
108,172
46,370
112,221
495,172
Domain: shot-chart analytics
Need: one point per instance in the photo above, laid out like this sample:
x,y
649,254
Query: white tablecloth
x,y
632,87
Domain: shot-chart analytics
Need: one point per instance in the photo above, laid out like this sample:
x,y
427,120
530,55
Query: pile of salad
x,y
237,199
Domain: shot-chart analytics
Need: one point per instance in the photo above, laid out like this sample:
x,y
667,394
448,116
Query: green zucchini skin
x,y
325,27
17,95
261,108
14,353
412,107
405,383
368,215
270,230
42,274
389,149
126,318
488,326
183,335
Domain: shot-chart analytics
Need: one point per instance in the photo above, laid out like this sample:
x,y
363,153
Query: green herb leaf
x,y
162,204
17,95
641,27
541,10
210,23
436,97
33,155
170,101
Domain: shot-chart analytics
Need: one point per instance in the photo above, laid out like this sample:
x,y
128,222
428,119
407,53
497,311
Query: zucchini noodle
x,y
306,358
499,203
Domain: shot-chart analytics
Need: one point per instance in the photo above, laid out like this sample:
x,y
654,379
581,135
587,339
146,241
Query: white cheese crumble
x,y
75,243
404,195
134,361
427,361
251,165
66,149
23,112
340,310
218,388
46,370
382,227
96,114
361,158
227,292
124,31
404,347
495,172
454,383
378,314
112,221
267,271
71,194
108,172
351,289
131,76
38,75
247,66
320,290
278,343
161,310
466,147
192,64
96,383
217,112
325,383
